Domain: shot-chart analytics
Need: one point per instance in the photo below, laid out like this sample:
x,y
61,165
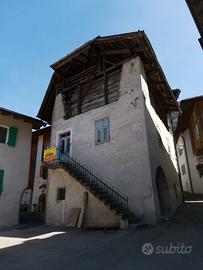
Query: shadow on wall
x,y
165,180
163,193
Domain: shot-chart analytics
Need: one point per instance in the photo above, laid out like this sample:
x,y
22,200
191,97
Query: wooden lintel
x,y
120,51
109,62
77,61
105,88
79,103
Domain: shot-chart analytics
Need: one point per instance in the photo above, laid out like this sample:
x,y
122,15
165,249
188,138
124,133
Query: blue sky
x,y
34,34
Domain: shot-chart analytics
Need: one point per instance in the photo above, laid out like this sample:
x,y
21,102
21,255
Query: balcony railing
x,y
71,164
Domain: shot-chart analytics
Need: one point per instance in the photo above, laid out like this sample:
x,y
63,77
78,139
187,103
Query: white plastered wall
x,y
15,162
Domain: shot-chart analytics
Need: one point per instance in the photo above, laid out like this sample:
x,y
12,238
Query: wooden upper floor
x,y
89,77
192,119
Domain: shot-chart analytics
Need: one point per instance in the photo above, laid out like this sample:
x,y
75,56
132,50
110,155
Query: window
x,y
1,180
197,130
3,134
102,131
8,135
43,172
183,169
180,149
61,192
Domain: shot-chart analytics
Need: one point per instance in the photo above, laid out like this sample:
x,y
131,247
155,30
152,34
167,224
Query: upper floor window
x,y
102,131
3,134
197,130
180,151
183,169
8,135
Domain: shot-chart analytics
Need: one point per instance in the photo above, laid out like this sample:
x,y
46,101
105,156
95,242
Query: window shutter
x,y
1,180
12,136
98,131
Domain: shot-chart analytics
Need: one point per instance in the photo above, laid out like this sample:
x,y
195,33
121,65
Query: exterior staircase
x,y
100,188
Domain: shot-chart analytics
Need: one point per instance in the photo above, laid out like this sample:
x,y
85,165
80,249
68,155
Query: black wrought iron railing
x,y
73,165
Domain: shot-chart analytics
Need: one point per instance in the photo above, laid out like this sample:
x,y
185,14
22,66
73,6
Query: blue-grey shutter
x,y
102,130
105,129
98,132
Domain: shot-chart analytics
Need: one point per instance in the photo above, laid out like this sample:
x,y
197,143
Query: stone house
x,y
109,105
190,144
15,148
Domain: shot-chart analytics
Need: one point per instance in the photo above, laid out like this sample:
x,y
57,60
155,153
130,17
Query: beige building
x,y
15,146
190,144
109,106
38,174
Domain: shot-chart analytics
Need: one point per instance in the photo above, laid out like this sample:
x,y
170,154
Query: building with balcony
x,y
112,161
190,144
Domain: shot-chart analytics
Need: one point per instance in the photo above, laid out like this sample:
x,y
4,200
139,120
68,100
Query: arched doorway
x,y
163,193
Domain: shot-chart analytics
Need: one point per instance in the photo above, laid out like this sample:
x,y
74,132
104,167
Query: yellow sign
x,y
49,154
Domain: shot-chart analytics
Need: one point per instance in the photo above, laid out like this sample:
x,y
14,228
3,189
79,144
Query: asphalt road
x,y
175,244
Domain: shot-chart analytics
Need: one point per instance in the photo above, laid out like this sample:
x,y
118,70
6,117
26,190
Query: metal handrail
x,y
67,159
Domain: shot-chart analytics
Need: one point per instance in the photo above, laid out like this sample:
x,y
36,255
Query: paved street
x,y
50,248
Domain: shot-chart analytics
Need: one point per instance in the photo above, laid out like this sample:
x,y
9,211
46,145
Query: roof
x,y
42,131
186,106
196,9
36,123
120,47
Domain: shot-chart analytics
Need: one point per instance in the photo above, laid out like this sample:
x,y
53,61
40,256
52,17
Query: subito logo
x,y
147,249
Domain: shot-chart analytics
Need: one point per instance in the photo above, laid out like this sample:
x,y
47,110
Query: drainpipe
x,y
188,165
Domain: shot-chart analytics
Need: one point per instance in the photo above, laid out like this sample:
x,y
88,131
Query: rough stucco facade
x,y
15,163
191,182
129,161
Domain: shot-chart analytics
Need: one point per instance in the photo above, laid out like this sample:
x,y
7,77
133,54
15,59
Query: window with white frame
x,y
3,134
102,131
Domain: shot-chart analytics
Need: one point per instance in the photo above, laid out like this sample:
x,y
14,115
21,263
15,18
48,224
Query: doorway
x,y
65,145
163,193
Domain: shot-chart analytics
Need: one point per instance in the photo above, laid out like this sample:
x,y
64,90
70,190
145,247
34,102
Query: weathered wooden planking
x,y
83,209
94,94
73,217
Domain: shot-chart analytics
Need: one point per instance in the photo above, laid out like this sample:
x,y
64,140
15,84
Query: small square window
x,y
3,134
183,169
61,194
197,130
102,131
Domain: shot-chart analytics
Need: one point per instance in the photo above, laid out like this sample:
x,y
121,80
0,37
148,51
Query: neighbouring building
x,y
190,144
109,106
15,148
196,9
38,174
